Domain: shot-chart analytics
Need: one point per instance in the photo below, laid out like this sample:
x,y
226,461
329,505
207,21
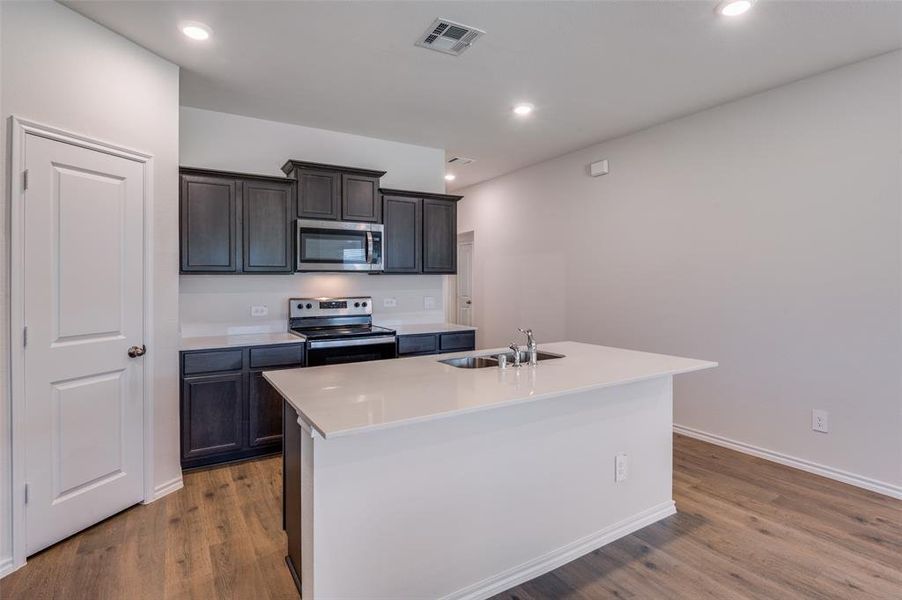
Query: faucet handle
x,y
524,331
530,340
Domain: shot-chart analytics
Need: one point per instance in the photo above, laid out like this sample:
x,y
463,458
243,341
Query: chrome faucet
x,y
516,352
531,347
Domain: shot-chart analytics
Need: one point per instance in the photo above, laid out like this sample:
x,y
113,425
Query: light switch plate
x,y
390,302
260,310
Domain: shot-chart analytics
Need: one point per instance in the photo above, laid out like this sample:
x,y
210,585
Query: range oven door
x,y
334,352
335,246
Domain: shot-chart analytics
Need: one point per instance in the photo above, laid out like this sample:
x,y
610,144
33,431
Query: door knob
x,y
136,351
469,302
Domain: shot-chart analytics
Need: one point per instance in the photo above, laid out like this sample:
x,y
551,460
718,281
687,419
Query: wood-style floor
x,y
746,528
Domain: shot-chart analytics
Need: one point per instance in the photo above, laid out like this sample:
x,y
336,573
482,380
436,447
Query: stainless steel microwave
x,y
339,246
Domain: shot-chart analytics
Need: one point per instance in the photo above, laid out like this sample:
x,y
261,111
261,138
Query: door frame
x,y
19,129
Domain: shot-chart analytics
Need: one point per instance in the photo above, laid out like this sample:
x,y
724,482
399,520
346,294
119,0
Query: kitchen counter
x,y
232,341
347,399
474,479
425,328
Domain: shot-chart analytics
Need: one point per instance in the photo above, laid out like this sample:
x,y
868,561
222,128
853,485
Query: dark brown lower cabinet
x,y
228,410
264,414
435,343
291,490
212,416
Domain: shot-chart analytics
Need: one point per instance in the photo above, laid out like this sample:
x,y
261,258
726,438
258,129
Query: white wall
x,y
215,305
763,234
61,69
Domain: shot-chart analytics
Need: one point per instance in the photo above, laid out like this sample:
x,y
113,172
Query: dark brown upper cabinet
x,y
268,223
403,218
235,222
439,236
420,232
209,223
336,193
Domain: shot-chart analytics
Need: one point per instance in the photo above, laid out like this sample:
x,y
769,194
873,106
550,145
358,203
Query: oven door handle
x,y
370,341
369,247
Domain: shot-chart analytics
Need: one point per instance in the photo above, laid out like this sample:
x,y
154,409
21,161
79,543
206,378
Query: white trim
x,y
6,567
554,559
19,129
166,488
867,483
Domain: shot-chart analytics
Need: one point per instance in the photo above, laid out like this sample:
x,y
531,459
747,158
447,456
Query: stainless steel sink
x,y
481,362
471,362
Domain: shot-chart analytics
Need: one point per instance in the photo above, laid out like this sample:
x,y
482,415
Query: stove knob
x,y
357,305
309,305
364,305
300,306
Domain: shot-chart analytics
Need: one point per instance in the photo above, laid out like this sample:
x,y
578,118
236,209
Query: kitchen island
x,y
412,478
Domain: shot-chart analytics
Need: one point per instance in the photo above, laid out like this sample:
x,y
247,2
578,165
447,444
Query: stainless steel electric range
x,y
340,330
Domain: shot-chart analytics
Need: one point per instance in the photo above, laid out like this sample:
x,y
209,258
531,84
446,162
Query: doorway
x,y
80,325
464,296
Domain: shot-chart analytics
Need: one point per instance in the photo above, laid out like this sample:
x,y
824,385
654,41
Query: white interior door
x,y
465,283
83,298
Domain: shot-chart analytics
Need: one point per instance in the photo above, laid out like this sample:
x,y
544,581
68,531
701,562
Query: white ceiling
x,y
594,70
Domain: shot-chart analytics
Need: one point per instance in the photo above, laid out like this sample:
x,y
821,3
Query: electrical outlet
x,y
621,467
259,311
429,302
390,302
820,421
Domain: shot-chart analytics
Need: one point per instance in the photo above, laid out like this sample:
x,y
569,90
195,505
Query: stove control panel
x,y
330,307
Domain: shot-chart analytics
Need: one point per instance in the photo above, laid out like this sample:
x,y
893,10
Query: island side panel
x,y
470,505
291,489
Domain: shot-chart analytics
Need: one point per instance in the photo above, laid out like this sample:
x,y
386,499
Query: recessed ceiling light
x,y
522,109
450,177
734,8
196,31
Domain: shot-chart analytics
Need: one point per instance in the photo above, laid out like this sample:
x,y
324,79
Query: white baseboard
x,y
539,566
873,485
6,566
165,488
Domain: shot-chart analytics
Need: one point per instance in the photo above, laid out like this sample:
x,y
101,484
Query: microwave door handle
x,y
369,247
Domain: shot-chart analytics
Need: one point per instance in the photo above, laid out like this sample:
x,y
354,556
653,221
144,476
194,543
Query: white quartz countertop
x,y
417,328
231,341
354,398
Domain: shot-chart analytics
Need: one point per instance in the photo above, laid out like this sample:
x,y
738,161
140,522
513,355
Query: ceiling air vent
x,y
449,37
460,161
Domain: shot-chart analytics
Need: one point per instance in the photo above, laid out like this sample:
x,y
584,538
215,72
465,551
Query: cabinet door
x,y
209,224
319,194
403,218
267,227
360,198
439,236
212,415
264,412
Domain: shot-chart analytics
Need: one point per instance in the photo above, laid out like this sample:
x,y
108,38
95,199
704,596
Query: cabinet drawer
x,y
276,356
213,361
465,340
417,344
